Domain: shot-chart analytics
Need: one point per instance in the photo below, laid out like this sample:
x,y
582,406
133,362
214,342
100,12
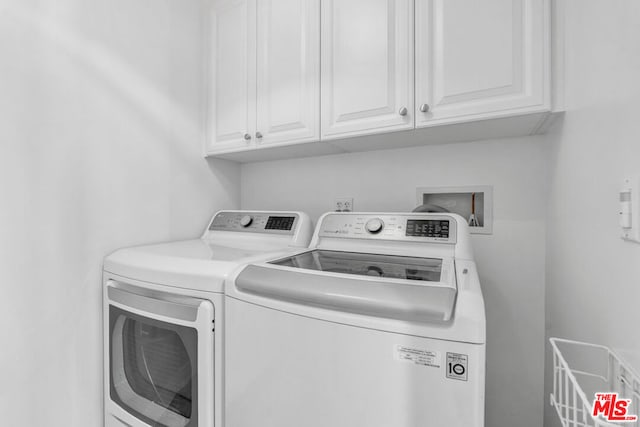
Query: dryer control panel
x,y
255,222
436,228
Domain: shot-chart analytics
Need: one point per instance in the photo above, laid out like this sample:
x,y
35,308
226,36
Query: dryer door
x,y
157,345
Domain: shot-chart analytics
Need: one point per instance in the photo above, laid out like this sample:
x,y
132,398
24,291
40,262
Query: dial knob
x,y
246,221
374,225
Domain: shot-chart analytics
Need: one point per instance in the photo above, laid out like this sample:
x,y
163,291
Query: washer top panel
x,y
398,227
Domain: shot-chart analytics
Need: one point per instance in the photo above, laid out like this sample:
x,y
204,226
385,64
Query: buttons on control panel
x,y
279,223
428,228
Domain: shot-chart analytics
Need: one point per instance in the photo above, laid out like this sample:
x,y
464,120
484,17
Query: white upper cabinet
x,y
288,71
265,73
344,73
480,59
232,105
367,67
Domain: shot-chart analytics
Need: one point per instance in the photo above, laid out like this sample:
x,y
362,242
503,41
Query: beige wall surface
x,y
593,277
100,147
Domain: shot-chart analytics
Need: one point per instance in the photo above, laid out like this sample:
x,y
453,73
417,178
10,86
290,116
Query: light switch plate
x,y
630,203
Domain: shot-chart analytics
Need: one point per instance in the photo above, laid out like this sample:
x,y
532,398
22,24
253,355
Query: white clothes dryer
x,y
164,318
379,323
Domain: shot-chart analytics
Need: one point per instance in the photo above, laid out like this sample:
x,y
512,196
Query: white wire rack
x,y
579,371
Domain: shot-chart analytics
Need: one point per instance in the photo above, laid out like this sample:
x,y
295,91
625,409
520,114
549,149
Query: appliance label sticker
x,y
417,356
457,366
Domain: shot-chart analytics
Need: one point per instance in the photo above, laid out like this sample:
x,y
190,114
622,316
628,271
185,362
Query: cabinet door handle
x,y
258,135
403,111
247,137
424,108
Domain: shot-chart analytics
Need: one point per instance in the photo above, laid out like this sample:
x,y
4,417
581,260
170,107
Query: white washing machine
x,y
379,323
163,318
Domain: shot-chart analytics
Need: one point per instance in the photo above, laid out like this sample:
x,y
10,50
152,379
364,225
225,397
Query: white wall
x,y
511,261
593,277
100,127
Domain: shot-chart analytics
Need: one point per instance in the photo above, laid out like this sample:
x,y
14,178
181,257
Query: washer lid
x,y
363,264
395,287
191,264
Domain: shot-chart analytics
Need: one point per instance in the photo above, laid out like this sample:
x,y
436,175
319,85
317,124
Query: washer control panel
x,y
404,227
255,222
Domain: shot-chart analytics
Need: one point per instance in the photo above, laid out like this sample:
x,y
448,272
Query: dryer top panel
x,y
255,222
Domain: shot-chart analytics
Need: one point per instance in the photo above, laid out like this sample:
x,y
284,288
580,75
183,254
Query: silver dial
x,y
374,225
246,220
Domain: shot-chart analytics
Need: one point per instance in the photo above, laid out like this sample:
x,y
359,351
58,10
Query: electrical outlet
x,y
343,204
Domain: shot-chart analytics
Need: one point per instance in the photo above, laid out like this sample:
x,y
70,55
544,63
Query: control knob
x,y
374,225
246,220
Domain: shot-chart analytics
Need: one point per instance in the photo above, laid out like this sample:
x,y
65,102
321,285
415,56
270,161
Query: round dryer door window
x,y
153,369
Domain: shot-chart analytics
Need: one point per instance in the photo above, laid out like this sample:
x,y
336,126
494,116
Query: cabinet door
x,y
288,71
480,59
232,72
367,66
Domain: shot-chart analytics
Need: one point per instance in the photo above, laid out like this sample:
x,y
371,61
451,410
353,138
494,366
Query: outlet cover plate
x,y
343,204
